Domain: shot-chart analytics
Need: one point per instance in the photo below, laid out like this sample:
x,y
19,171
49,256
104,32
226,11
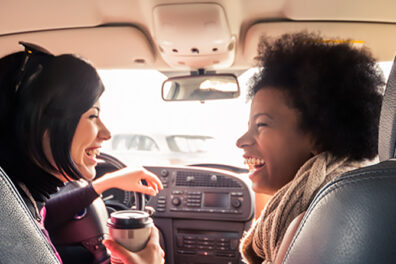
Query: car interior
x,y
203,49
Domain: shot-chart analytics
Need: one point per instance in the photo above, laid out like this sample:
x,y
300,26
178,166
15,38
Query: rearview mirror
x,y
200,87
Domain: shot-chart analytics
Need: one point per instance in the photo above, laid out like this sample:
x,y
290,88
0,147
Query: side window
x,y
148,144
125,142
116,140
182,143
132,143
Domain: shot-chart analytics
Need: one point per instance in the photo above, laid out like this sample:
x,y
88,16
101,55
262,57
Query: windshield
x,y
149,131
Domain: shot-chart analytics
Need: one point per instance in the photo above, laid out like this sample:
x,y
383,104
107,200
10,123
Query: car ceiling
x,y
121,34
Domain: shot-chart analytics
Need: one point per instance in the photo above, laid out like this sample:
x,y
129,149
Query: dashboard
x,y
201,213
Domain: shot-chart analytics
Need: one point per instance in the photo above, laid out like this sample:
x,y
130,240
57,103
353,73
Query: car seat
x,y
353,218
21,240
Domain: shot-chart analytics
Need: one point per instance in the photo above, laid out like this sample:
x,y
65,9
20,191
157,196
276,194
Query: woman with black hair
x,y
314,115
52,132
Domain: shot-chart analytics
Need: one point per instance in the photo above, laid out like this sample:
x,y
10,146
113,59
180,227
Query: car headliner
x,y
120,34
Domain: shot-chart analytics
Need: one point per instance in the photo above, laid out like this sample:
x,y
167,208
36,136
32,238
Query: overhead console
x,y
194,35
202,214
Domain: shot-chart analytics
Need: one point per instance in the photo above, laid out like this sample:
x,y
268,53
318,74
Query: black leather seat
x,y
21,240
353,218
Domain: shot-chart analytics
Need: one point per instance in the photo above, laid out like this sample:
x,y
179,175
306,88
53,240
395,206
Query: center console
x,y
201,214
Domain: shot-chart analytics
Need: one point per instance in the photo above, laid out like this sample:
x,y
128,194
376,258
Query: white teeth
x,y
93,152
254,161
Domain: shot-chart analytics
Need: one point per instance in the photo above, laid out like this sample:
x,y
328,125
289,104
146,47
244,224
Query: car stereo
x,y
202,214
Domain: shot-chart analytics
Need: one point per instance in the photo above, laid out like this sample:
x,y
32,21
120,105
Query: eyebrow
x,y
96,107
260,114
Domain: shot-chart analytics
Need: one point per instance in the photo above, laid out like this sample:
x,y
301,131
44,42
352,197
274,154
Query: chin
x,y
257,189
88,173
262,190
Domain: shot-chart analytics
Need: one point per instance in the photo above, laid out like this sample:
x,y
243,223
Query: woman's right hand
x,y
151,254
129,179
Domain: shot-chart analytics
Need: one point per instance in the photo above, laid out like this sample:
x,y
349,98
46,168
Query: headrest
x,y
387,127
21,241
351,220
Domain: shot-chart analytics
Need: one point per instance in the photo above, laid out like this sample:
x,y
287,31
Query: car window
x,y
147,144
189,144
202,132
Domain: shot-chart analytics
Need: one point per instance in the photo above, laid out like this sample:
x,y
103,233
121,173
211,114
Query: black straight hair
x,y
50,99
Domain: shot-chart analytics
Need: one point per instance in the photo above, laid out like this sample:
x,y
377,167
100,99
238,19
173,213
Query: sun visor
x,y
371,35
87,42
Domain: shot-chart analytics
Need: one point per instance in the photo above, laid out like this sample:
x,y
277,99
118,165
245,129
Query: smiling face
x,y
274,146
87,140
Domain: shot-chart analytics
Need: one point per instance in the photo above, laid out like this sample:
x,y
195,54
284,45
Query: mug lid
x,y
129,219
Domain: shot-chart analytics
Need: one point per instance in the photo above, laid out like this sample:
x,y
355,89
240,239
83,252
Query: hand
x,y
129,180
151,254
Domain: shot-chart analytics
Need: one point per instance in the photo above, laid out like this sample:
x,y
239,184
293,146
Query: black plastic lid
x,y
129,219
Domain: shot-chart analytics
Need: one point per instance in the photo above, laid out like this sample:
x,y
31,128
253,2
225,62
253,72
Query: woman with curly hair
x,y
314,115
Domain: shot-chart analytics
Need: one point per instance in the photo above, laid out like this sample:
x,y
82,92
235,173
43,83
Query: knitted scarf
x,y
261,243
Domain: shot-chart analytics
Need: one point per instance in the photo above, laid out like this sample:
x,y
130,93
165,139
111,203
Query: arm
x,y
151,254
65,206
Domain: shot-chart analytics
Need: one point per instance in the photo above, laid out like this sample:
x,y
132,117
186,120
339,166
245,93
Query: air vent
x,y
199,179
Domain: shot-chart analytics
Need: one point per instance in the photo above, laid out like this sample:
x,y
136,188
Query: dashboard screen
x,y
219,200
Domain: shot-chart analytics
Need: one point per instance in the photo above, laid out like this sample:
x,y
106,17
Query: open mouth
x,y
254,163
92,153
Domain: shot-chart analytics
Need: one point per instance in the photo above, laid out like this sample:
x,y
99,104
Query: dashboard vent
x,y
199,179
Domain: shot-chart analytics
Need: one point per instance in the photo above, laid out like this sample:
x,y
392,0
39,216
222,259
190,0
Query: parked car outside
x,y
155,149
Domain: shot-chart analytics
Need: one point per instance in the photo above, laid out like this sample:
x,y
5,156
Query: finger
x,y
119,251
154,236
145,189
151,177
155,182
154,186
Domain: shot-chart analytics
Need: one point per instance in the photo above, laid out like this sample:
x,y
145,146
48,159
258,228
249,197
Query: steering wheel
x,y
80,239
110,163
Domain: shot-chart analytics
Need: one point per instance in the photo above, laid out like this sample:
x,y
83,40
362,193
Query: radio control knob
x,y
164,173
176,201
236,203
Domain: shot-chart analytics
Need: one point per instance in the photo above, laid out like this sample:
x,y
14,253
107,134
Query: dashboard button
x,y
164,173
176,201
236,203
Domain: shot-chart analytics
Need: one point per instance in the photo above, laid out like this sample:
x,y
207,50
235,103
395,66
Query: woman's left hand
x,y
151,254
129,180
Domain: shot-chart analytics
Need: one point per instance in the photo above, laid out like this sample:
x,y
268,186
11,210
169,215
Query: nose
x,y
104,132
244,141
